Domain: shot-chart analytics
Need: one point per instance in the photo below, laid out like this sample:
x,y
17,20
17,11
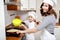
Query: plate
x,y
12,30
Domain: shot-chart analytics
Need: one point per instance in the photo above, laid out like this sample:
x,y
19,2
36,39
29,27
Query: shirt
x,y
48,23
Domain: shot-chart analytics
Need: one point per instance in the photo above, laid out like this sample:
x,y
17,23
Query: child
x,y
30,23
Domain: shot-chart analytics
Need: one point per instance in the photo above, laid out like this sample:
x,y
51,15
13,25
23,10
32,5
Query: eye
x,y
46,5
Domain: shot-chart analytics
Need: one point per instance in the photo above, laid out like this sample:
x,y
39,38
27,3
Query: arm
x,y
23,27
46,21
33,30
9,26
42,25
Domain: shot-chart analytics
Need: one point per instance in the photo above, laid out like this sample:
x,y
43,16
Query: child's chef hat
x,y
51,2
32,13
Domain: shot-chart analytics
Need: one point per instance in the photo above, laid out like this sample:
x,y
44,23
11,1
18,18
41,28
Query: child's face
x,y
30,18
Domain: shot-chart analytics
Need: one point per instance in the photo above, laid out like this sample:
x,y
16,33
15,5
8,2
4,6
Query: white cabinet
x,y
24,4
28,4
32,5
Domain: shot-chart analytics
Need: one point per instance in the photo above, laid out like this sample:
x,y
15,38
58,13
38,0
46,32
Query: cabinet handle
x,y
25,8
32,8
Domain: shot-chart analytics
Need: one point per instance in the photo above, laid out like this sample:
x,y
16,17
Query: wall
x,y
57,7
39,18
2,21
9,16
22,14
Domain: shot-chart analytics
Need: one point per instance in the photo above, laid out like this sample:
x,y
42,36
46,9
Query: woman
x,y
48,22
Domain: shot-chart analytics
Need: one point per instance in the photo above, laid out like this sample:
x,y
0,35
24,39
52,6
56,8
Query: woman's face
x,y
30,18
45,7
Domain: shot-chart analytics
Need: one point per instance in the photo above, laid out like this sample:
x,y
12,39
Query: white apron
x,y
47,36
31,35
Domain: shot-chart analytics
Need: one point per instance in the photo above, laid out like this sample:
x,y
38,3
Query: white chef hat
x,y
32,13
51,2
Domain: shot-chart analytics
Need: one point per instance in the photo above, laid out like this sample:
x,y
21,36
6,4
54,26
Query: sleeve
x,y
46,21
26,22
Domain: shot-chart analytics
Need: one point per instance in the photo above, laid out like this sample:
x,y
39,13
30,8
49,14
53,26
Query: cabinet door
x,y
32,4
24,4
12,7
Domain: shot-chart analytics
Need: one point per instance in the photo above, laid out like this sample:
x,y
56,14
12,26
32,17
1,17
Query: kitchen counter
x,y
13,35
13,38
57,25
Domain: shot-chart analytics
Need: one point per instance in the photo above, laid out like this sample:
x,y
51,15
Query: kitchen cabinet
x,y
32,5
28,4
11,1
12,4
17,5
24,4
12,7
21,5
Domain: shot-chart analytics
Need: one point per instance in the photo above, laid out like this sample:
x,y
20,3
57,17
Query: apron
x,y
31,35
47,36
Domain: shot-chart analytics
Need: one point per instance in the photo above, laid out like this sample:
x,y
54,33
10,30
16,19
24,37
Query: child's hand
x,y
21,34
22,25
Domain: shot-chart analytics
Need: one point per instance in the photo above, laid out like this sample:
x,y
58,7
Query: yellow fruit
x,y
16,22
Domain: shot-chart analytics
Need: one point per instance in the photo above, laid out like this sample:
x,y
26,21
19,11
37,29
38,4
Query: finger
x,y
17,32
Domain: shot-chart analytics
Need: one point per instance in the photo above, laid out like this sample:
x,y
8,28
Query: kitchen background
x,y
23,6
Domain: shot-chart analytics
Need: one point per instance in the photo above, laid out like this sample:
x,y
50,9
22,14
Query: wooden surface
x,y
12,7
13,38
57,24
14,0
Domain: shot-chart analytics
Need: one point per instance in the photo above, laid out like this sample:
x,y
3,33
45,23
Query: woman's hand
x,y
19,32
33,30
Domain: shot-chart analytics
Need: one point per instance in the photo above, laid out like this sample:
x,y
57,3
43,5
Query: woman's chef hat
x,y
32,13
51,2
